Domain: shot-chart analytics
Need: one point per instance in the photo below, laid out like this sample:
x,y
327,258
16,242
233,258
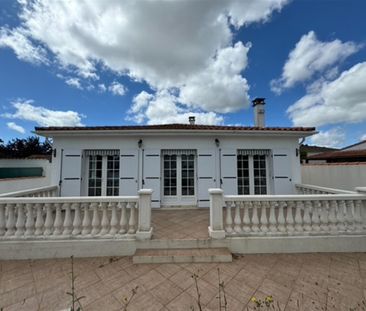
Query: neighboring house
x,y
352,153
307,151
180,162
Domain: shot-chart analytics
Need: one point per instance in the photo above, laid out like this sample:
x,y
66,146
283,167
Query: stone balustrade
x,y
271,215
49,191
312,189
76,217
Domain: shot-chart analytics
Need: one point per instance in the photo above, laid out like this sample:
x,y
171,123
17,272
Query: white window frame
x,y
104,175
179,199
251,175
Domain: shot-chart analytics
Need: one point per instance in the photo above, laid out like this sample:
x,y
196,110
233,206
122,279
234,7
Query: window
x,y
103,173
252,173
178,174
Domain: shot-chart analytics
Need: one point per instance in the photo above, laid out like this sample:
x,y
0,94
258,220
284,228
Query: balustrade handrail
x,y
28,192
96,199
323,189
295,197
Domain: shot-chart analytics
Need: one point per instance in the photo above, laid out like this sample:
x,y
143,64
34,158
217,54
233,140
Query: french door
x,y
103,175
179,173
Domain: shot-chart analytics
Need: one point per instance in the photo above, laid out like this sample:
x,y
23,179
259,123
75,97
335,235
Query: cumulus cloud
x,y
163,108
363,137
74,82
15,127
311,56
125,38
220,87
334,137
18,40
25,110
340,101
117,88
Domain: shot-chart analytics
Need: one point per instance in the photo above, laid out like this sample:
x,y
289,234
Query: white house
x,y
180,162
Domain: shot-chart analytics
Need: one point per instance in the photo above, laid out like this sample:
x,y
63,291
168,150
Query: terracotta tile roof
x,y
339,155
174,127
309,148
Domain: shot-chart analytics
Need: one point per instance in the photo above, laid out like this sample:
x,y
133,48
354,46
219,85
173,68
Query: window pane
x,y
243,174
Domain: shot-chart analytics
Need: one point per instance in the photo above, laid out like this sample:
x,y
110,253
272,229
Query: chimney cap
x,y
192,120
258,101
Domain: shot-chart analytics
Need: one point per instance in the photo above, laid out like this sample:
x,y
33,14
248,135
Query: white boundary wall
x,y
24,183
345,176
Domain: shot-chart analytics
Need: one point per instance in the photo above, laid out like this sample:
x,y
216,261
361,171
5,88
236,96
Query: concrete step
x,y
182,255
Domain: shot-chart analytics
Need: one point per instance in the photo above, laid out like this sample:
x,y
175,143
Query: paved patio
x,y
180,223
316,281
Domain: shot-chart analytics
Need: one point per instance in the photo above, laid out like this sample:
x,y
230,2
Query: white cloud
x,y
117,88
24,110
101,87
334,137
152,41
340,101
74,82
16,127
363,137
163,108
220,87
311,56
18,40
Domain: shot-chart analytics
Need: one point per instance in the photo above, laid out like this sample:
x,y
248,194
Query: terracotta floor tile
x,y
183,302
168,270
145,301
17,295
183,279
151,279
206,290
108,302
166,291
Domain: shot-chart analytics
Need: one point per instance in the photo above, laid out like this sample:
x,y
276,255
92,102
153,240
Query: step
x,y
182,255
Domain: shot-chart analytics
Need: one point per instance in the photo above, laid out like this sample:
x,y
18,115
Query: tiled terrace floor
x,y
317,281
180,224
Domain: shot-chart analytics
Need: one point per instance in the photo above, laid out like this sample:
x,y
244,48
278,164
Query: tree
x,y
23,148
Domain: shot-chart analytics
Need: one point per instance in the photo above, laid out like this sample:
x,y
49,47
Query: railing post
x,y
216,228
144,229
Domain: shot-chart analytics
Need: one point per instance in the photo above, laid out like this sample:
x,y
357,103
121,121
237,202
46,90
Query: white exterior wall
x,y
24,183
334,175
208,161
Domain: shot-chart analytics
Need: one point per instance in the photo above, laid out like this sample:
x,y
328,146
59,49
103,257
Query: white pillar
x,y
216,228
144,229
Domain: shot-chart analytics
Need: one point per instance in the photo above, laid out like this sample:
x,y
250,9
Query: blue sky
x,y
139,62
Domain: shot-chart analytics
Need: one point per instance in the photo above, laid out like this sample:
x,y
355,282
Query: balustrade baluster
x,y
315,221
298,217
95,220
255,219
114,218
307,219
274,224
350,222
68,220
86,224
39,219
77,219
10,222
333,216
123,221
2,219
58,220
132,220
324,212
246,218
237,218
105,219
29,223
281,217
48,224
289,217
358,216
340,216
229,218
264,218
20,224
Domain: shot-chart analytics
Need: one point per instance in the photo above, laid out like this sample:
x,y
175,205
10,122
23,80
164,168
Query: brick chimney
x,y
258,104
